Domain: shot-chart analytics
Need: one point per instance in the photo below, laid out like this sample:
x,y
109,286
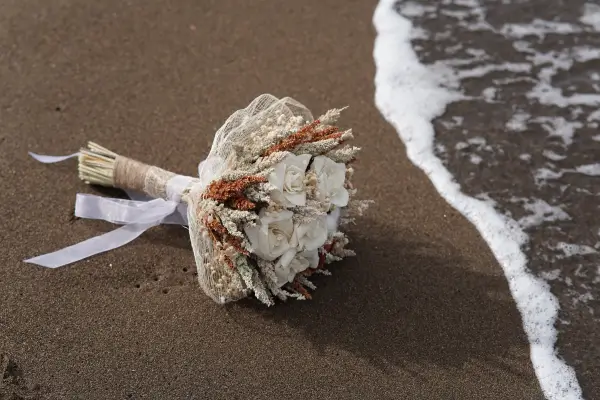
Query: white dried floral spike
x,y
331,116
304,281
344,155
316,148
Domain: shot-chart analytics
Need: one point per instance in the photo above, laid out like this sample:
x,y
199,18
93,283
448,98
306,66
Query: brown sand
x,y
423,312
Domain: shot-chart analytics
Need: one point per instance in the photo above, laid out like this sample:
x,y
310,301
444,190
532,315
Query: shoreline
x,y
503,235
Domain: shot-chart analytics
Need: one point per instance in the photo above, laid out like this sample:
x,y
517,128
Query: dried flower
x,y
233,191
309,133
331,116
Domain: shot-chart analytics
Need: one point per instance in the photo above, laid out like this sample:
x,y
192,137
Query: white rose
x,y
288,180
330,181
286,272
310,236
273,235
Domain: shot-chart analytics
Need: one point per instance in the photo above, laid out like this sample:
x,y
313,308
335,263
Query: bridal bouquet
x,y
264,213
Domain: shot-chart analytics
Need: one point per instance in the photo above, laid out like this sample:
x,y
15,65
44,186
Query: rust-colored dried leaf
x,y
219,233
224,191
307,134
242,203
302,290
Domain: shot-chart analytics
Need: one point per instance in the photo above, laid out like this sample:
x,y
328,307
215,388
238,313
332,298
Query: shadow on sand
x,y
401,301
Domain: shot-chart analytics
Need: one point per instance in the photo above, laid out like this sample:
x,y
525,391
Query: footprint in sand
x,y
13,385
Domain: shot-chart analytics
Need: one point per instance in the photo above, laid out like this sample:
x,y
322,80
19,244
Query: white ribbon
x,y
51,159
135,215
176,185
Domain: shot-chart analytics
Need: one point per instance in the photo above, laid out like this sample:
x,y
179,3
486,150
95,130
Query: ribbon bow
x,y
136,215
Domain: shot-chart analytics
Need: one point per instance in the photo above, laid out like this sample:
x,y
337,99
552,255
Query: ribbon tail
x,y
51,159
122,211
99,244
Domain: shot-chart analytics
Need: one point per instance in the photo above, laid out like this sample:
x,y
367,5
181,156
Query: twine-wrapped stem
x,y
100,166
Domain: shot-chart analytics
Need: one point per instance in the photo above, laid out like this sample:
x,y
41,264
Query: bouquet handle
x,y
100,166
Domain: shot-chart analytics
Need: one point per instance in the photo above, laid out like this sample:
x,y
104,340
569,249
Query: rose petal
x,y
318,164
287,257
323,186
257,241
301,161
318,234
332,220
276,178
338,175
299,264
297,199
287,226
278,197
312,257
341,197
274,252
269,216
282,275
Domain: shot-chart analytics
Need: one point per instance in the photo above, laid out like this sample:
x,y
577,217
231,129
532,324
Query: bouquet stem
x,y
100,166
97,165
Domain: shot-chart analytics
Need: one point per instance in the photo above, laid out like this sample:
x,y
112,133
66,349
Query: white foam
x,y
413,9
542,212
544,174
461,145
479,53
525,157
583,298
489,94
477,141
518,122
570,249
475,159
549,154
483,70
591,15
589,169
539,28
551,275
553,61
585,53
594,116
409,96
419,34
558,126
549,95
